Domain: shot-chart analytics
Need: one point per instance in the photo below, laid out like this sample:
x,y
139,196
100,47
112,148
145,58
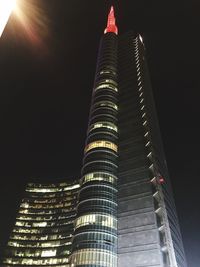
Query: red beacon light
x,y
111,26
161,180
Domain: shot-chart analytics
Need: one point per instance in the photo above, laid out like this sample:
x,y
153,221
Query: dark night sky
x,y
47,72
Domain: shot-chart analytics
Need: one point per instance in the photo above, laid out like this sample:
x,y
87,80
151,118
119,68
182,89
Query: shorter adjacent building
x,y
43,230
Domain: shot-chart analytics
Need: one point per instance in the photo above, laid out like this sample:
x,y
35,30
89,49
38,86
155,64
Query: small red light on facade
x,y
161,180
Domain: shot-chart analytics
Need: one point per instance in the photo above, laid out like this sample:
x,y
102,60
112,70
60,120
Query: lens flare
x,y
6,8
33,21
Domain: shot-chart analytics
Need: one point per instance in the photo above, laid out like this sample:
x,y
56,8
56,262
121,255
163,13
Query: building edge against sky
x,y
125,214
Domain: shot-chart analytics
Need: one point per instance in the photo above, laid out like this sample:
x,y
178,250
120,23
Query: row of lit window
x,y
36,185
96,219
94,257
47,190
37,253
52,200
43,218
107,72
106,104
45,206
39,230
101,144
58,201
93,236
99,176
109,81
106,86
104,124
51,244
44,196
42,224
38,262
40,238
40,212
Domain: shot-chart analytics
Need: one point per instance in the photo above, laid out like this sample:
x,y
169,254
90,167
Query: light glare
x,y
6,8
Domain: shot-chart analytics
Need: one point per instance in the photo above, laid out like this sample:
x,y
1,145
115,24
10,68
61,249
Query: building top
x,y
111,26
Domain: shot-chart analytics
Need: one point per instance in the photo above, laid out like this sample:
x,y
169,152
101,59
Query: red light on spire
x,y
111,26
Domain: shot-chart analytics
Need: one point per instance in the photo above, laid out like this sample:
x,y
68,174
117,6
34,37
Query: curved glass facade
x,y
43,231
95,237
94,257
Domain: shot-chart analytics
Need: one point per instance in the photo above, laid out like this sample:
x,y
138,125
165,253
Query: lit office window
x,y
107,72
48,190
109,81
50,244
99,176
107,86
40,224
39,237
24,205
106,104
101,143
96,219
48,253
43,190
43,212
39,262
50,206
94,257
104,124
71,187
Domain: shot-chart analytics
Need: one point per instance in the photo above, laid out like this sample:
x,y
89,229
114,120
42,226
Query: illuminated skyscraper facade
x,y
95,237
43,231
126,215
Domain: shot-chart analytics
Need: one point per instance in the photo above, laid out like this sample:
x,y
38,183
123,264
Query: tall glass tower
x,y
95,238
126,215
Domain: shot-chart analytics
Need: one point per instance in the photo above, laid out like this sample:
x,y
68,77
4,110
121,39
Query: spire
x,y
111,26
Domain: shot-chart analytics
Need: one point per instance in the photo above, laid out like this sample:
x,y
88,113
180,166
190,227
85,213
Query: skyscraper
x,y
126,212
43,229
